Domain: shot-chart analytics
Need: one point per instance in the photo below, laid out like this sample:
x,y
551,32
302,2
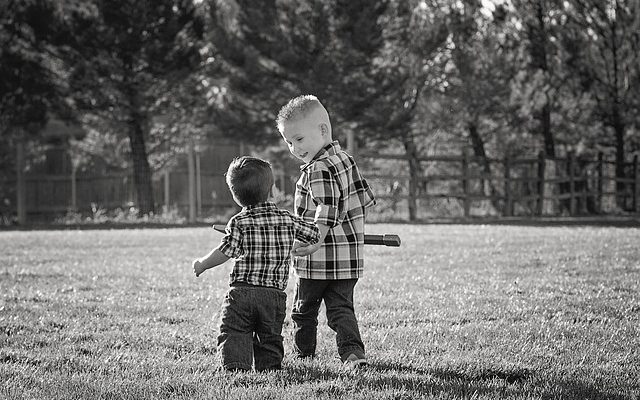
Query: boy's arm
x,y
300,250
230,247
213,259
326,193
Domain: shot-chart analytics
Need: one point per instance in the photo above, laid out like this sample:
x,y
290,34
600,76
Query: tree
x,y
32,82
126,53
604,46
406,73
478,89
539,87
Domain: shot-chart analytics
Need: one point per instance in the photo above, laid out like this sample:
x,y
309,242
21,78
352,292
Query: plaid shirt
x,y
260,238
332,192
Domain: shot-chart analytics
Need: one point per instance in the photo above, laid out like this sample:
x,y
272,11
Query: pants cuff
x,y
234,366
345,353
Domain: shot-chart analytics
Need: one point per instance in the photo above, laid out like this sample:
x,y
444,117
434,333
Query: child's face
x,y
305,137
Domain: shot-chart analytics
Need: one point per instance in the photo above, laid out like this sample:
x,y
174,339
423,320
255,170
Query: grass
x,y
478,312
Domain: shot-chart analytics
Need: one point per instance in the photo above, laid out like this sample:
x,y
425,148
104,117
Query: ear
x,y
324,129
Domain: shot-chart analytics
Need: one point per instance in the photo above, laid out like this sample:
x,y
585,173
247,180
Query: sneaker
x,y
354,361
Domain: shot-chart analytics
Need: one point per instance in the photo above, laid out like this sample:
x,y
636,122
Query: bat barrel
x,y
383,240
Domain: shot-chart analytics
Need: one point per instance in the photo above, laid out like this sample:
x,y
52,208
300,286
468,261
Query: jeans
x,y
338,299
251,328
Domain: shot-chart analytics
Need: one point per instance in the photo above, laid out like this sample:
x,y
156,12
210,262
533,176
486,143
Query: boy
x,y
332,193
261,238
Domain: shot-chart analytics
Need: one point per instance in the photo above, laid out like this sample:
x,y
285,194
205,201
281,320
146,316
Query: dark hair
x,y
250,180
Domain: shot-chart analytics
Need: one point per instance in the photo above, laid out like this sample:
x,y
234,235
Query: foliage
x,y
149,79
32,73
602,45
119,216
272,51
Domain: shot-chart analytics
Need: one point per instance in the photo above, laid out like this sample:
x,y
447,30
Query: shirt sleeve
x,y
231,243
370,199
326,194
306,232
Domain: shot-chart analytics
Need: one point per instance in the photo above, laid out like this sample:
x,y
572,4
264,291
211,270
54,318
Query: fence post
x,y
192,180
600,181
74,187
507,188
585,192
465,182
351,143
636,185
198,185
572,189
541,168
21,196
167,187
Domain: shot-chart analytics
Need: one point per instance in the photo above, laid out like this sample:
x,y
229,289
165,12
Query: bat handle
x,y
219,228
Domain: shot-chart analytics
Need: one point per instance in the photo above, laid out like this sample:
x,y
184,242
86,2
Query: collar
x,y
329,150
266,205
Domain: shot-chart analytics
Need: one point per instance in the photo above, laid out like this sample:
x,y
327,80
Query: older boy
x,y
260,237
332,193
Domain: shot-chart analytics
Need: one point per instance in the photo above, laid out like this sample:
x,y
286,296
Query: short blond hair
x,y
298,107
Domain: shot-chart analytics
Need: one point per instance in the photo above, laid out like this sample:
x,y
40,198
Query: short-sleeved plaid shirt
x,y
260,238
332,192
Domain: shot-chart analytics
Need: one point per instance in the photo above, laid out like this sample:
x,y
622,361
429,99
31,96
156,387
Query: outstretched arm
x,y
213,259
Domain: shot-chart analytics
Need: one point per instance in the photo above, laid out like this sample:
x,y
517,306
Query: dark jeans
x,y
338,299
251,328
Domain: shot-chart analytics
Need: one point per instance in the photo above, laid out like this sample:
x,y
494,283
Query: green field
x,y
475,311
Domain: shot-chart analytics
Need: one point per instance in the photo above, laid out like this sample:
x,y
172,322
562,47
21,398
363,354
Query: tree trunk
x,y
538,37
141,168
616,118
547,135
479,151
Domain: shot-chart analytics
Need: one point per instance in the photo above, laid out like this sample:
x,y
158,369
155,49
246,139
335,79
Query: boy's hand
x,y
198,268
300,249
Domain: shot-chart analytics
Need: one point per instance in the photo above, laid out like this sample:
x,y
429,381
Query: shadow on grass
x,y
509,377
450,382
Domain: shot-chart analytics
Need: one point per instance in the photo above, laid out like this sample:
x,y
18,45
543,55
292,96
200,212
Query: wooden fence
x,y
536,186
514,186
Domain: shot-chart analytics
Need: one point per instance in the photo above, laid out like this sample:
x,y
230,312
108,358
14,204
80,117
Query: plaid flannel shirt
x,y
331,191
260,238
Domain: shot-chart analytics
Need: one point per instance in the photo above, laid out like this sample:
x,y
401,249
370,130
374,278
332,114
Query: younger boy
x,y
260,237
332,193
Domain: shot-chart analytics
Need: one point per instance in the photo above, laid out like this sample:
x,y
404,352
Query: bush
x,y
129,215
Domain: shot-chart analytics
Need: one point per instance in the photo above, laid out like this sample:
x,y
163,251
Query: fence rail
x,y
576,186
533,186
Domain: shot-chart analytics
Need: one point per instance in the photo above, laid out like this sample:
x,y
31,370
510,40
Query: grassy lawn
x,y
478,312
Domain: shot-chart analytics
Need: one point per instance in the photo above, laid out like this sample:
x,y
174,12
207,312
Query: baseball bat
x,y
379,240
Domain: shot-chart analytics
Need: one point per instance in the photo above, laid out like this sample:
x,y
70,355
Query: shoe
x,y
354,361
